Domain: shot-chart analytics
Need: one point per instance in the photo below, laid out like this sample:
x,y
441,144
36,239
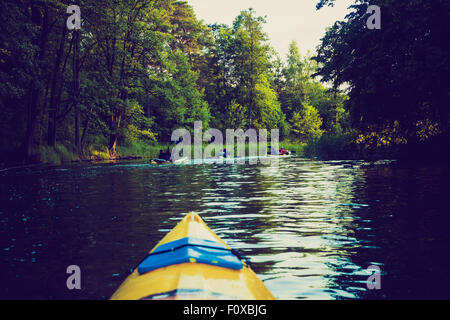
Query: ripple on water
x,y
309,228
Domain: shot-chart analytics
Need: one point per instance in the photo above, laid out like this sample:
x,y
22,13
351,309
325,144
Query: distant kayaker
x,y
224,153
273,151
168,154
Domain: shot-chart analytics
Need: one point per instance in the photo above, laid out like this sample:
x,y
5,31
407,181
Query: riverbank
x,y
62,154
328,147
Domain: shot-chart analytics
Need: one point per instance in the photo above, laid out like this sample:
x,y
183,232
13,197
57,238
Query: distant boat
x,y
163,161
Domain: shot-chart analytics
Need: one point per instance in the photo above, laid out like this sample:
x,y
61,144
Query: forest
x,y
137,70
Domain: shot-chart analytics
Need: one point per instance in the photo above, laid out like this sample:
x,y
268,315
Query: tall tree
x,y
382,66
251,59
292,92
18,49
175,100
217,78
56,87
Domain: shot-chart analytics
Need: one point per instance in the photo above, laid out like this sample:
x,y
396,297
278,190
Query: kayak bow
x,y
192,262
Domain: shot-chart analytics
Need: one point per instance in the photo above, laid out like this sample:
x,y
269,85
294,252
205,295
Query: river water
x,y
310,228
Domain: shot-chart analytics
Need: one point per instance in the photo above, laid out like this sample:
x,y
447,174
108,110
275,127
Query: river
x,y
310,228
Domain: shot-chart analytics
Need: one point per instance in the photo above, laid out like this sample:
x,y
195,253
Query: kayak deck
x,y
192,262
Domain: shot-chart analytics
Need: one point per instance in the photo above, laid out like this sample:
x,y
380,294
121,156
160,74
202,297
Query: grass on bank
x,y
332,146
328,146
140,149
57,155
63,154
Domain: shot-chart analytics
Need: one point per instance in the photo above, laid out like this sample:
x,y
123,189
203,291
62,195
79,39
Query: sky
x,y
287,20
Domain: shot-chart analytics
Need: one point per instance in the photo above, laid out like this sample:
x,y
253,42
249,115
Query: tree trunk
x,y
84,135
54,103
115,126
252,84
112,145
41,20
76,84
31,122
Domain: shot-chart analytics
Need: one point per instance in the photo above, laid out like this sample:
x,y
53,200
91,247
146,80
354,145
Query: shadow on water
x,y
310,228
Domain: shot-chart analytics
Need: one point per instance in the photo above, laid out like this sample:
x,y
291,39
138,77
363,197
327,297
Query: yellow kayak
x,y
191,263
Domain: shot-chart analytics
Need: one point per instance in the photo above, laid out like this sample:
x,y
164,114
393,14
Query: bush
x,y
56,155
140,148
297,147
65,154
49,155
306,124
332,146
99,154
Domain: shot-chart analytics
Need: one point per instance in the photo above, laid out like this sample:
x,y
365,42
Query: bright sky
x,y
287,20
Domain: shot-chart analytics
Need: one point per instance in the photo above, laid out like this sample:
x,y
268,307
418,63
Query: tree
x,y
18,50
396,75
251,61
129,41
292,92
297,86
235,116
239,78
216,75
175,101
306,124
191,35
133,64
267,111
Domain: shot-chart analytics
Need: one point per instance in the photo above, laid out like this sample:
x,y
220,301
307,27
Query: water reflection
x,y
310,228
290,220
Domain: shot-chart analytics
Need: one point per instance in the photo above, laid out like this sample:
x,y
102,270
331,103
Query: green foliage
x,y
66,154
295,146
236,116
139,126
57,155
306,124
396,74
333,146
140,148
297,87
323,3
49,155
216,76
138,70
134,62
177,102
267,112
250,70
99,154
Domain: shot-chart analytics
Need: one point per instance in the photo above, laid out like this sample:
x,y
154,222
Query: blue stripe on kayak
x,y
190,250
